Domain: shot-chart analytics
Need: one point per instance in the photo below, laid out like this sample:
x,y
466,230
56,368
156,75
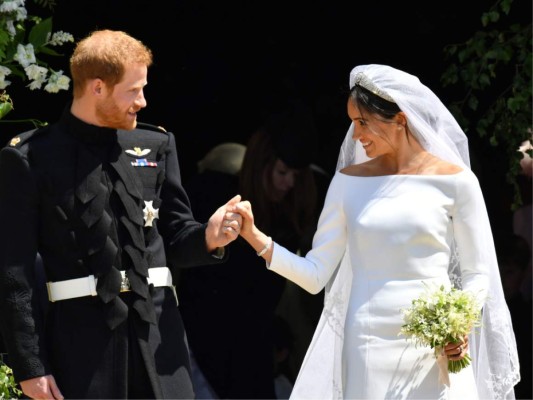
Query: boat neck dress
x,y
395,234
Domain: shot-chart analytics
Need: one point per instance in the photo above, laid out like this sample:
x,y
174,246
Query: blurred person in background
x,y
239,301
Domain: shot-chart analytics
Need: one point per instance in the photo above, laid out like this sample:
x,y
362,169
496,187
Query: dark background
x,y
220,66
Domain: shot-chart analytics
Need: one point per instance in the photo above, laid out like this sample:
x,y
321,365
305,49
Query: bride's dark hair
x,y
373,103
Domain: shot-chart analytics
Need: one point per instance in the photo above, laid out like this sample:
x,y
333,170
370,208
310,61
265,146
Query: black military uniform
x,y
104,208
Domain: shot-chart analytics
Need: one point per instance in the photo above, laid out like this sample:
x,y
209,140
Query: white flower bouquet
x,y
439,317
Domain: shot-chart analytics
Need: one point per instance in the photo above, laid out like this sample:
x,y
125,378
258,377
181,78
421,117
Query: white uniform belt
x,y
86,286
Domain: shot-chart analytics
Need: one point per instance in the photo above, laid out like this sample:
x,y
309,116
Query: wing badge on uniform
x,y
137,152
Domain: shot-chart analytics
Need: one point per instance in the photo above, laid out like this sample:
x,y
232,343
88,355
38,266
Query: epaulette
x,y
22,138
157,128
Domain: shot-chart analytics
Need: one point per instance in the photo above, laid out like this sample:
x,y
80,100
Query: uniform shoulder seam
x,y
151,127
21,138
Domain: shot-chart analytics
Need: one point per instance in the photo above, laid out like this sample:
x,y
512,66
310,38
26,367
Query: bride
x,y
403,210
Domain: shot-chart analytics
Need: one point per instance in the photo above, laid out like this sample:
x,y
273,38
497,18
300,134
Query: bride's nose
x,y
355,132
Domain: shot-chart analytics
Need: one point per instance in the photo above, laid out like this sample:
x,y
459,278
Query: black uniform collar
x,y
85,132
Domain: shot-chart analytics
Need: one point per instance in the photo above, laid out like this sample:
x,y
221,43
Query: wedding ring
x,y
460,349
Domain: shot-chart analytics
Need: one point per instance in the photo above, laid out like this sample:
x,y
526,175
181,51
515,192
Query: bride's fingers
x,y
245,204
244,208
457,353
456,350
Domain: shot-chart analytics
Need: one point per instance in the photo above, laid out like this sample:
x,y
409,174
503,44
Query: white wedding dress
x,y
390,235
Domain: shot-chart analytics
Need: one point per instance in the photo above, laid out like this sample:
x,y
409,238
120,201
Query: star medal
x,y
150,213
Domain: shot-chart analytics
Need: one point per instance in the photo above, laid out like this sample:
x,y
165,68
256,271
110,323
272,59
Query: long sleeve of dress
x,y
471,236
313,271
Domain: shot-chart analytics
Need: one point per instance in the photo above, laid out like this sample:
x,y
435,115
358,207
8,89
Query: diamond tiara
x,y
362,80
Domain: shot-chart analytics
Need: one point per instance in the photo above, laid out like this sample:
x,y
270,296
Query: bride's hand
x,y
260,242
457,350
245,209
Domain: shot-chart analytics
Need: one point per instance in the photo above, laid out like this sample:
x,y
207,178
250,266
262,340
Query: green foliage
x,y
23,40
39,33
37,36
494,68
9,389
6,104
50,4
